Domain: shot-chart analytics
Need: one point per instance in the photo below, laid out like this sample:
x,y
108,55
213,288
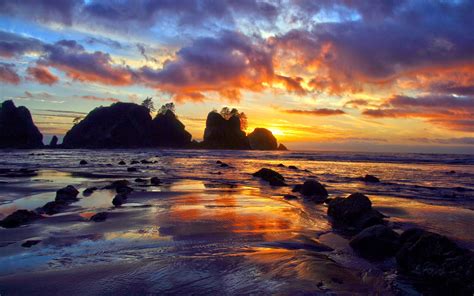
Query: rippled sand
x,y
203,232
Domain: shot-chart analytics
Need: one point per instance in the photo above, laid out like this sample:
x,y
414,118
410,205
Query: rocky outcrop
x,y
19,218
17,129
127,125
169,131
54,142
354,213
262,139
121,125
312,189
221,133
282,147
436,262
376,242
272,177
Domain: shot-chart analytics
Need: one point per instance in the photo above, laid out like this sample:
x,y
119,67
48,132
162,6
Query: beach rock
x,y
117,184
371,179
218,162
224,165
140,180
221,133
54,142
290,197
376,242
168,131
122,162
155,181
124,190
134,162
121,125
83,162
119,199
282,147
52,207
269,175
314,189
100,217
435,260
67,194
280,165
292,167
17,129
262,139
354,212
89,191
31,242
18,218
297,188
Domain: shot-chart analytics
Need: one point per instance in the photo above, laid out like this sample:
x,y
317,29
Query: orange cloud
x,y
42,75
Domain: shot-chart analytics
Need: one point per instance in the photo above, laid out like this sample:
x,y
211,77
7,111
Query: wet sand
x,y
200,234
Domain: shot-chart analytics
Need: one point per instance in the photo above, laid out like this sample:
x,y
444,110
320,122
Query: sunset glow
x,y
385,76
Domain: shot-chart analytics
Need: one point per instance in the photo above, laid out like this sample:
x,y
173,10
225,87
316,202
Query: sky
x,y
393,75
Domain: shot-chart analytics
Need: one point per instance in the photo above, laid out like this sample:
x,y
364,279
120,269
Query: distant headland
x,y
130,125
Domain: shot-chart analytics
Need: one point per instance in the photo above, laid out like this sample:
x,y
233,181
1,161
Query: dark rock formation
x,y
437,263
18,218
121,125
155,181
354,212
119,199
169,131
221,133
262,139
282,147
290,197
83,162
100,217
17,129
52,207
371,179
274,178
67,194
89,191
292,167
31,242
122,162
54,142
376,242
314,190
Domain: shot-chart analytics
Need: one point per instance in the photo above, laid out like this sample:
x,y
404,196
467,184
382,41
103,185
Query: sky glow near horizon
x,y
327,75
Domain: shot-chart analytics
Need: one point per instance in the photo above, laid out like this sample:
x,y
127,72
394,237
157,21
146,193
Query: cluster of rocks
x,y
128,125
436,263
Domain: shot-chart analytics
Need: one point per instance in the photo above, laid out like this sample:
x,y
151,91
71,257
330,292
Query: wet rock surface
x,y
376,242
272,177
18,218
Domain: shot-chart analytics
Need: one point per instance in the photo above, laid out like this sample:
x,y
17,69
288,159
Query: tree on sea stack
x,y
167,107
148,103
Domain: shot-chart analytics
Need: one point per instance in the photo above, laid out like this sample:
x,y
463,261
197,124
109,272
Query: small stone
x,y
89,191
292,167
290,197
83,162
119,199
67,194
122,162
30,243
140,180
371,179
155,181
99,217
131,169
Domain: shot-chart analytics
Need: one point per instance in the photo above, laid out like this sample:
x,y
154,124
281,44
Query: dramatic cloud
x,y
42,75
71,58
317,112
8,74
15,45
223,64
448,111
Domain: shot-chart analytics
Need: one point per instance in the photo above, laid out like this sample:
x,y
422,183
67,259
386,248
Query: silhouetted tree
x,y
227,113
167,107
148,103
77,119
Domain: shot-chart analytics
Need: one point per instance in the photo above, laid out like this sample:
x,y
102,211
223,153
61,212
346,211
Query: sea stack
x,y
221,133
17,129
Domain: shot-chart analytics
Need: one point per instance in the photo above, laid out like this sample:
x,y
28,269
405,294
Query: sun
x,y
276,131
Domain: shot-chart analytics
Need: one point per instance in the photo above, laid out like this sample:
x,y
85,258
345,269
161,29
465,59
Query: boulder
x,y
119,199
89,191
121,125
371,179
54,142
155,181
290,197
67,194
83,162
168,131
19,218
100,217
315,190
221,133
437,262
354,212
376,242
269,175
262,139
17,129
52,207
282,147
31,242
122,162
